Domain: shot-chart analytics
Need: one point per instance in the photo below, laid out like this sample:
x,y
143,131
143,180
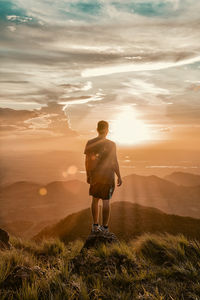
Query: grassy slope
x,y
150,267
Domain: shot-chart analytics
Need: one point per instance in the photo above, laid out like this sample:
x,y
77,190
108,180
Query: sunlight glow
x,y
128,129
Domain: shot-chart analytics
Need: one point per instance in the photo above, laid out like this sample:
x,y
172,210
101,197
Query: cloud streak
x,y
148,66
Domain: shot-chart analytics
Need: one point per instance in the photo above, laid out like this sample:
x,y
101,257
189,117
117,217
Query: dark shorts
x,y
102,191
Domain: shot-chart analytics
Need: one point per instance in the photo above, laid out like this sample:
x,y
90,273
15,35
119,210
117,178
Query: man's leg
x,y
106,212
95,209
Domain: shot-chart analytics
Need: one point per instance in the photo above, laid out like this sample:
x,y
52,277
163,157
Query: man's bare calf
x,y
95,209
105,212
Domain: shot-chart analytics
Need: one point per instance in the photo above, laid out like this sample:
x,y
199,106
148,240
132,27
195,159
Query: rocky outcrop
x,y
95,239
94,263
4,240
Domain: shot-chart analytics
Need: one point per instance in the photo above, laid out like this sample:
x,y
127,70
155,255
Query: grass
x,y
149,267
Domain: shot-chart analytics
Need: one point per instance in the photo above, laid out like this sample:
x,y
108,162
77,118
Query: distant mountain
x,y
25,228
156,192
22,202
127,221
39,166
182,178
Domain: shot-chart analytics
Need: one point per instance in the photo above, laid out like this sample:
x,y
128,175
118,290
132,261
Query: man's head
x,y
102,128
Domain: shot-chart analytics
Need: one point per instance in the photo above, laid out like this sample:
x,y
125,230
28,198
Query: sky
x,y
66,64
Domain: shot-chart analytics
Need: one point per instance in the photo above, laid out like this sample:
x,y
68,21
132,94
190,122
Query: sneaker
x,y
96,228
104,230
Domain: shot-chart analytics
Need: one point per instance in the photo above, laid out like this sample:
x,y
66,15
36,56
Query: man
x,y
101,165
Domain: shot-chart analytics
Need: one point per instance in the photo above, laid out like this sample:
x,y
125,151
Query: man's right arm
x,y
87,163
87,168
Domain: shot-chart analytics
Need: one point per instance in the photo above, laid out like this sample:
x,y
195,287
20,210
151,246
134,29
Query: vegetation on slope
x,y
150,267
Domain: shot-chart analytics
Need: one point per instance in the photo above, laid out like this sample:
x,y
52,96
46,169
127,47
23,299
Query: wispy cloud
x,y
147,66
49,120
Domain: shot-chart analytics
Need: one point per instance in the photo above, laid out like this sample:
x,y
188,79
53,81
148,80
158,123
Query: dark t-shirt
x,y
104,153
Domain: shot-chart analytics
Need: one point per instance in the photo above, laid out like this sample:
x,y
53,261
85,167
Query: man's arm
x,y
116,166
87,163
87,169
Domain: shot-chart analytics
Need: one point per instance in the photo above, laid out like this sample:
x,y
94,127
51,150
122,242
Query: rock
x,y
15,278
97,238
100,264
4,240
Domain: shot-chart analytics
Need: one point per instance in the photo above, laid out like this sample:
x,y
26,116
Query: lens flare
x,y
72,170
43,191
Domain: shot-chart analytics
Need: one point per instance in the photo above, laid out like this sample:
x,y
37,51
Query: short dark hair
x,y
102,126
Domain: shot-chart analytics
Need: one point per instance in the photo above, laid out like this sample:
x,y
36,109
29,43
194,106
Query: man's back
x,y
101,166
102,153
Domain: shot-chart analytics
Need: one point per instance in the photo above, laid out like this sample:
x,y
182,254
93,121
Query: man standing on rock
x,y
101,165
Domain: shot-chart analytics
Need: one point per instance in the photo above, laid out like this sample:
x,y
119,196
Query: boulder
x,y
4,240
97,238
87,261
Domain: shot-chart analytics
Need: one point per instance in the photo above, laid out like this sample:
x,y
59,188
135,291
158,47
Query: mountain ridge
x,y
23,201
127,221
184,178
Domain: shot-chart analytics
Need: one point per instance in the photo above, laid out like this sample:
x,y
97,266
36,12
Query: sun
x,y
127,129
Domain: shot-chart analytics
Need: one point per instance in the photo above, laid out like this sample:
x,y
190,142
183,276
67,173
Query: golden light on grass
x,y
43,191
128,129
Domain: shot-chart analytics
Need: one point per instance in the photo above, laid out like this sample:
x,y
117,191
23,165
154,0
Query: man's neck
x,y
101,136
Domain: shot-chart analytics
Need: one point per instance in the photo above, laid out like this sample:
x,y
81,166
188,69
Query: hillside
x,y
182,178
158,267
160,193
21,203
127,221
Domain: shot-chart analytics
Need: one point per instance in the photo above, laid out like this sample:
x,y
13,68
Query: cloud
x,y
77,87
88,58
140,87
23,122
19,18
40,122
148,66
7,115
91,10
74,101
